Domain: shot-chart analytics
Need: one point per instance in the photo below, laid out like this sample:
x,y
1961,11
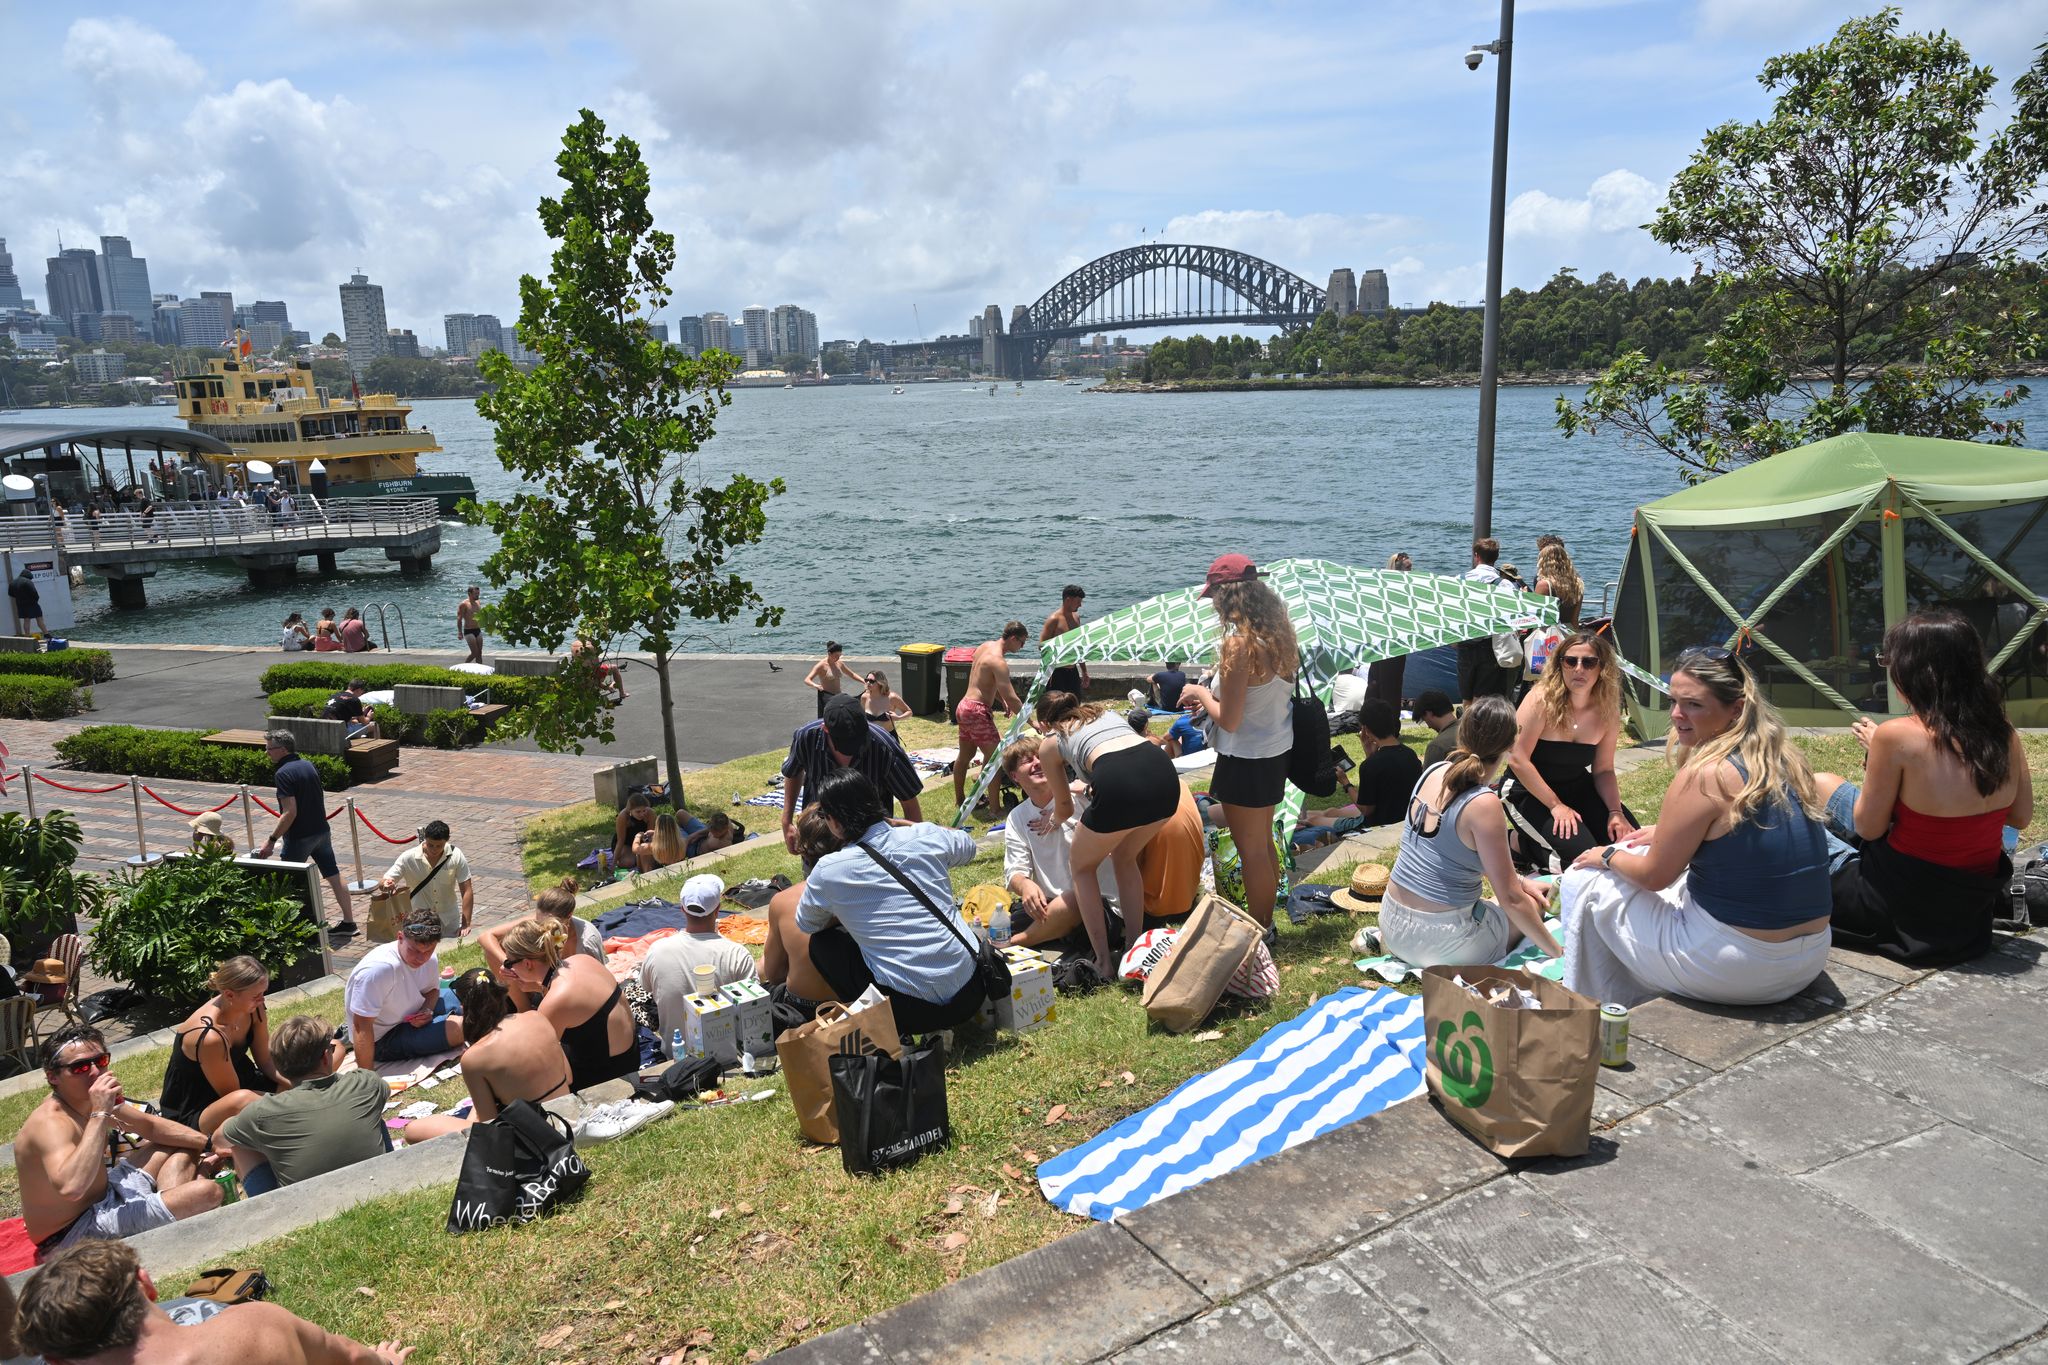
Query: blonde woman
x,y
578,997
661,846
1433,914
1563,798
1726,898
221,1061
1250,703
1557,577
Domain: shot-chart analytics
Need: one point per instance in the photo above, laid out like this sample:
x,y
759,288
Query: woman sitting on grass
x,y
221,1061
557,903
1725,899
1940,787
1563,798
510,1057
664,845
1457,833
578,997
635,818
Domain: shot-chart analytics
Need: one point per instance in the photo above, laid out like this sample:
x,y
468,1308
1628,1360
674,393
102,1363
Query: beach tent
x,y
1343,617
1803,560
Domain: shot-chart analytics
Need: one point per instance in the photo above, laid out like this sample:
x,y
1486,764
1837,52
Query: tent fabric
x,y
1843,471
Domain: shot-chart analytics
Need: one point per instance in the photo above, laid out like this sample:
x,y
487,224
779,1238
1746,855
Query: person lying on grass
x,y
510,1057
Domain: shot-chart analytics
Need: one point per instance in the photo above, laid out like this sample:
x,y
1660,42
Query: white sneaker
x,y
1367,941
610,1121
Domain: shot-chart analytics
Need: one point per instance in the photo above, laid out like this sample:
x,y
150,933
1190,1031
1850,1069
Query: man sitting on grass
x,y
397,1007
73,1185
669,973
324,1122
96,1303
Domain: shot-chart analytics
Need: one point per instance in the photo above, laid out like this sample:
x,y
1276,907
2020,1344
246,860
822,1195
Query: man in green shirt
x,y
322,1123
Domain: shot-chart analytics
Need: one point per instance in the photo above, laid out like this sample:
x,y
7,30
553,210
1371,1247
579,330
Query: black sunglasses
x,y
1579,661
1719,654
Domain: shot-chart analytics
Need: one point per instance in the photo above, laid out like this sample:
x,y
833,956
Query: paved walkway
x,y
485,795
1856,1174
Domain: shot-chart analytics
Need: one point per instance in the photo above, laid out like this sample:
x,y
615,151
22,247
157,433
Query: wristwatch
x,y
1607,855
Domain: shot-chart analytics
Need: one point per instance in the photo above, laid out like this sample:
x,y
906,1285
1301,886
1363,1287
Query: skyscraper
x,y
400,341
717,332
124,279
206,320
10,283
164,314
362,321
754,333
659,331
690,334
471,333
272,310
73,284
793,331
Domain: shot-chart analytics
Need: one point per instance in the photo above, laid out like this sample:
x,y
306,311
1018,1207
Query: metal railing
x,y
383,626
213,524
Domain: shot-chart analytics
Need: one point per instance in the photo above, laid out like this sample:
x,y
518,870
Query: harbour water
x,y
939,513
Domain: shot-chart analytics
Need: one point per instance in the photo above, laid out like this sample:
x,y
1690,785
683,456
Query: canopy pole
x,y
1892,538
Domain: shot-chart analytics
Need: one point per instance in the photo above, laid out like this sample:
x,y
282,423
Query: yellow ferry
x,y
274,413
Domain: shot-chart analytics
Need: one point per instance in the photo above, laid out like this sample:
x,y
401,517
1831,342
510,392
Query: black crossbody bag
x,y
990,967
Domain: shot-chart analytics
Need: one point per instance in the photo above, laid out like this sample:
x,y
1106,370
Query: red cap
x,y
1229,569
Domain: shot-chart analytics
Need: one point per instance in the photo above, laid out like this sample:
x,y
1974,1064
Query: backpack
x,y
2027,896
1310,765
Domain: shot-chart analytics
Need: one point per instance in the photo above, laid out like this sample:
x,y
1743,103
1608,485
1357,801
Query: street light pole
x,y
1489,353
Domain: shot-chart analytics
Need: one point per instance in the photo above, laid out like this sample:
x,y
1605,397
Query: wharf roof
x,y
18,438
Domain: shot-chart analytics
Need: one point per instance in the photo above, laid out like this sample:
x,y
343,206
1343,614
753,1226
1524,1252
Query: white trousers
x,y
1624,945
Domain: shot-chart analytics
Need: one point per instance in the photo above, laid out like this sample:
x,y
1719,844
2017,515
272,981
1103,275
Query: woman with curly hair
x,y
1557,577
1250,704
1562,796
1940,787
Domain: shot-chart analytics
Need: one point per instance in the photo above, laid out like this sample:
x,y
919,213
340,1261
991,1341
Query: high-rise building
x,y
272,310
118,327
203,321
10,283
398,341
1341,297
265,336
974,325
659,331
472,333
99,367
793,331
73,283
163,325
124,279
754,337
690,334
516,350
717,332
363,327
1372,292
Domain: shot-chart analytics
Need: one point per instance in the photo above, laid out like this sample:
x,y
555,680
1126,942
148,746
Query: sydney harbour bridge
x,y
1154,285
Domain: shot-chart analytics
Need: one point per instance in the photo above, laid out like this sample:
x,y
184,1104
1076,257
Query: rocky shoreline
x,y
1538,379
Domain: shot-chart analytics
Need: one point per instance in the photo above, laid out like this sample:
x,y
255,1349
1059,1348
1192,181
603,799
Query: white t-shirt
x,y
443,894
1048,858
666,974
384,988
589,942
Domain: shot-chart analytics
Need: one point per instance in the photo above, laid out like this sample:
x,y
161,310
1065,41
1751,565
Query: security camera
x,y
1474,58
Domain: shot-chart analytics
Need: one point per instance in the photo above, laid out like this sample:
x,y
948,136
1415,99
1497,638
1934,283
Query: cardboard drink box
x,y
753,1017
1032,997
709,1028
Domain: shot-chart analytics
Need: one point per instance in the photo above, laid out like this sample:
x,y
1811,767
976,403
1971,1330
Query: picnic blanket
x,y
1394,971
1350,1054
623,956
933,760
636,919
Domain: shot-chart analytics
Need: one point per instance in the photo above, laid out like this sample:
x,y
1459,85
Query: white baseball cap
x,y
702,893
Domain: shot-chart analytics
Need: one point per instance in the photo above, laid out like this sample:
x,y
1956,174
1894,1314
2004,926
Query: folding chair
x,y
18,1030
62,995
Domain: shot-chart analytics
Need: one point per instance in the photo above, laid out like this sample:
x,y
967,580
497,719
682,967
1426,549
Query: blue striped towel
x,y
1350,1054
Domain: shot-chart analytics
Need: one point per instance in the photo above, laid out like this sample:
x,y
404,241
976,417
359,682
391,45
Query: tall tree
x,y
1866,237
616,535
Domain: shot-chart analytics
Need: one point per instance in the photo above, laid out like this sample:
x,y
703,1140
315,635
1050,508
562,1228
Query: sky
x,y
893,165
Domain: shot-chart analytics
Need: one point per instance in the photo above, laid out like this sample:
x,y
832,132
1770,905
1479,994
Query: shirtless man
x,y
828,674
97,1304
71,1188
466,624
1071,677
988,686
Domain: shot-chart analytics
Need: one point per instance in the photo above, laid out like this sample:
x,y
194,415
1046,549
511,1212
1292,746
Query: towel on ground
x,y
1350,1054
1394,971
637,918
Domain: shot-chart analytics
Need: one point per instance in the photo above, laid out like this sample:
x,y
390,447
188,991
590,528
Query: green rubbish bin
x,y
921,677
959,667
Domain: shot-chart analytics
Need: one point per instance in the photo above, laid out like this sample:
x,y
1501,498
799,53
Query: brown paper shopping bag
x,y
1520,1080
806,1050
1210,946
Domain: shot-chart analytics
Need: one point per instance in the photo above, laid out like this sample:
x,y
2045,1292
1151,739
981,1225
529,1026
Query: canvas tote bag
x,y
1212,944
890,1110
1520,1080
806,1055
517,1167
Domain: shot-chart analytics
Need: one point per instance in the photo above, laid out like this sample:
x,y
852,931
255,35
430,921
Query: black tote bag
x,y
890,1110
518,1166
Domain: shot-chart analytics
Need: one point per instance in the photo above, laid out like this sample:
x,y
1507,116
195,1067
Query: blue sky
x,y
860,159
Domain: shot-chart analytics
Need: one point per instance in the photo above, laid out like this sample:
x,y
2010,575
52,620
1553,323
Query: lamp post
x,y
1502,49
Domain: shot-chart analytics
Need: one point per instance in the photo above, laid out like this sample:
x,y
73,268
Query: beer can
x,y
1613,1035
226,1181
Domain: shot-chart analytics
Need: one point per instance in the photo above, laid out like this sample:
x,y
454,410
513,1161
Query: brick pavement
x,y
485,795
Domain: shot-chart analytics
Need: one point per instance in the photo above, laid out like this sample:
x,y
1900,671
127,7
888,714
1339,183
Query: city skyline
x,y
897,158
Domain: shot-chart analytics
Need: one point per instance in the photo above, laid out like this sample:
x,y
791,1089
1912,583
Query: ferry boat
x,y
275,413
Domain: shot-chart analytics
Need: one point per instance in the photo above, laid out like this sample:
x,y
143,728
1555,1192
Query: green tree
x,y
1867,241
791,363
330,340
617,533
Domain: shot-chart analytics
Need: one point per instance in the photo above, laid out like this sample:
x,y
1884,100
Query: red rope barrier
x,y
263,806
83,791
182,811
380,833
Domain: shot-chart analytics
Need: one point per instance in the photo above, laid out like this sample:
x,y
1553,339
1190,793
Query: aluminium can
x,y
1613,1035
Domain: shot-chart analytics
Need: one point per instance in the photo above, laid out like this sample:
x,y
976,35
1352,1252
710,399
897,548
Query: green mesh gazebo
x,y
1802,561
1343,617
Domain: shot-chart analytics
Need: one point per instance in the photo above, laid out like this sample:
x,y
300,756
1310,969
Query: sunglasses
x,y
86,1066
1579,661
1719,654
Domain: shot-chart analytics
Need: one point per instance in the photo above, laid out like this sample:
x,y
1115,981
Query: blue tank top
x,y
1769,872
1432,860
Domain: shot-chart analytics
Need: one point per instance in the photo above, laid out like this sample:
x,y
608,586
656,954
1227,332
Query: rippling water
x,y
940,513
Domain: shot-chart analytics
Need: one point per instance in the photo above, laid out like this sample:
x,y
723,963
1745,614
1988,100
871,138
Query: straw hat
x,y
207,823
1368,884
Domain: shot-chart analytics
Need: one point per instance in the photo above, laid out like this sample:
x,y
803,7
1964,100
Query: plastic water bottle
x,y
675,1045
998,925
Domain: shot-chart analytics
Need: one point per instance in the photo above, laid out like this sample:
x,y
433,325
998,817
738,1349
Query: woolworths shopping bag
x,y
806,1053
1512,1060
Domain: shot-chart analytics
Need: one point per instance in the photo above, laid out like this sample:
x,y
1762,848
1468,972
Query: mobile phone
x,y
1343,760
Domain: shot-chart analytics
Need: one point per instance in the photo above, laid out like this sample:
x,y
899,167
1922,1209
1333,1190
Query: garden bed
x,y
184,754
443,729
38,696
79,665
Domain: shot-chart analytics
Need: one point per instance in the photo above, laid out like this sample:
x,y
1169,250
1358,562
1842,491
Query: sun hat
x,y
1230,568
702,893
1368,884
207,822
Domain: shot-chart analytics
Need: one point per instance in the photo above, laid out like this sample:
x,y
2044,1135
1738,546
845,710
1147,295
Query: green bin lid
x,y
921,649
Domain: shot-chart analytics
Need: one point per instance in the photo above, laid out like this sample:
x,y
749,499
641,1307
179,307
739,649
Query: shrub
x,y
40,895
181,754
165,930
29,697
79,665
331,677
440,729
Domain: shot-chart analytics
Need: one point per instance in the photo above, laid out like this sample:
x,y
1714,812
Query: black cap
x,y
1434,701
846,725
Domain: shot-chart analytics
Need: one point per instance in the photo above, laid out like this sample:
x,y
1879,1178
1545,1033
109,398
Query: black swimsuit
x,y
588,1048
187,1093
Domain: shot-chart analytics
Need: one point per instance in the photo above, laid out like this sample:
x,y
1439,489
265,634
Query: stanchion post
x,y
28,790
135,794
355,837
249,820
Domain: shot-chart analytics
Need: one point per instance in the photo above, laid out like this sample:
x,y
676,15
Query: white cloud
x,y
1619,201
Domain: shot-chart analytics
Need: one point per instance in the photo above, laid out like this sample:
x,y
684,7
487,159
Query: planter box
x,y
305,883
613,783
512,666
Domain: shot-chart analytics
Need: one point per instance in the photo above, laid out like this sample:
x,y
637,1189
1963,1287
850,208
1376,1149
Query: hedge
x,y
28,697
332,677
79,665
181,754
447,729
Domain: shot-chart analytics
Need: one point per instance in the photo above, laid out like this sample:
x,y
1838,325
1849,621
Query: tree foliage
x,y
1868,241
617,536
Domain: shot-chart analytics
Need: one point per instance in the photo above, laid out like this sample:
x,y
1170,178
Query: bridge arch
x,y
1271,295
